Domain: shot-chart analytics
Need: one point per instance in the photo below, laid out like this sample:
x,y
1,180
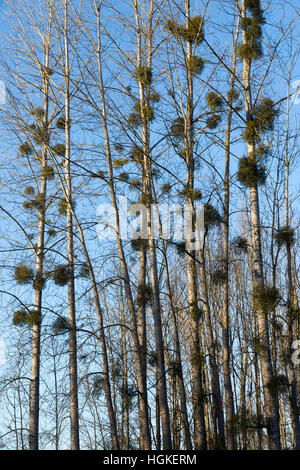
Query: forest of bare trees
x,y
144,115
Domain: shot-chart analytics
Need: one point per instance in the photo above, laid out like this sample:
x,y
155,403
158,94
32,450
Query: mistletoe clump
x,y
264,115
139,244
218,275
60,150
193,32
19,318
178,128
145,112
211,216
285,236
214,101
190,193
240,244
60,325
39,282
143,74
62,206
33,318
278,384
144,294
174,369
61,123
48,172
251,173
265,298
25,149
134,120
23,274
196,312
251,49
40,134
26,318
61,275
136,154
29,191
38,113
195,64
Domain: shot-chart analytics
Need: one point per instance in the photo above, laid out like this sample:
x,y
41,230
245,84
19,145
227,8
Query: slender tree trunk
x,y
74,414
270,400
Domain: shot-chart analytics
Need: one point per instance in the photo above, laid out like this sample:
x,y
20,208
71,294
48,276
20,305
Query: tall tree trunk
x,y
270,399
74,414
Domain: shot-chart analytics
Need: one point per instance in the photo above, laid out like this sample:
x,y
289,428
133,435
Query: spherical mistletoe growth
x,y
38,113
180,248
250,133
240,244
213,121
61,123
174,369
134,120
172,27
143,74
190,193
252,28
139,244
61,275
194,31
250,173
196,312
285,236
60,325
218,276
252,50
178,128
254,7
60,149
25,149
19,318
147,111
264,114
48,172
33,318
278,384
39,283
29,191
195,64
62,206
35,204
211,216
144,294
265,299
137,154
23,274
40,134
214,101
119,162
